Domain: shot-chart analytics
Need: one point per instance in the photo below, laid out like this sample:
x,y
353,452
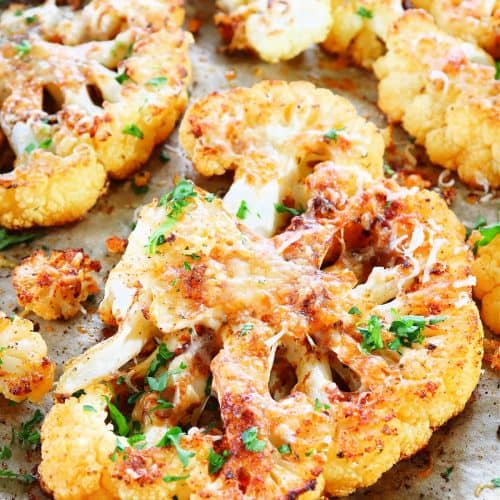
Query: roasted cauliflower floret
x,y
444,93
359,29
476,21
25,370
275,30
317,358
54,286
74,115
486,269
272,135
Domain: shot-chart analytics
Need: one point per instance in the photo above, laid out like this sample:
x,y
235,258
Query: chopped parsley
x,y
24,478
318,405
45,144
216,461
133,130
5,453
364,12
480,221
122,78
372,334
159,384
281,209
246,328
249,438
171,479
447,473
133,398
2,349
164,158
354,310
173,437
208,385
242,210
333,134
175,201
186,266
488,234
495,482
210,197
23,48
78,393
388,170
285,449
18,13
89,408
135,439
28,435
118,418
157,81
162,356
31,19
161,404
497,70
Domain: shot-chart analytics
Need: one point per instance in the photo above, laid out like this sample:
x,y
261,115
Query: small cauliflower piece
x,y
276,31
75,114
359,29
476,21
272,135
444,93
25,370
54,286
486,269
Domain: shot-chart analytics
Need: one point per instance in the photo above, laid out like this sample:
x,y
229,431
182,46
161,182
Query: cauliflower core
x,y
25,370
444,93
85,96
54,286
276,30
360,28
272,135
287,359
476,21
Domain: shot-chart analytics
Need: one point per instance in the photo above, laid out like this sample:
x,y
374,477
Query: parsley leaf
x,y
31,19
318,405
216,461
8,239
249,438
158,384
89,409
28,435
246,328
173,437
133,130
497,70
122,78
496,482
118,418
24,478
364,12
161,404
171,479
281,209
488,233
388,170
354,310
162,356
242,210
333,134
157,81
23,48
284,449
447,473
372,335
5,453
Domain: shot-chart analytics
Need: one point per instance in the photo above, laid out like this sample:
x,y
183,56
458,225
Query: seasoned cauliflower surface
x,y
307,363
25,370
359,29
476,21
54,286
486,269
74,114
272,135
276,30
444,93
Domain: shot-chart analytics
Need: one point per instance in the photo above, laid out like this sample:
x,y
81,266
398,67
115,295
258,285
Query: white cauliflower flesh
x,y
75,114
54,286
276,30
25,370
476,21
272,135
444,93
359,29
310,362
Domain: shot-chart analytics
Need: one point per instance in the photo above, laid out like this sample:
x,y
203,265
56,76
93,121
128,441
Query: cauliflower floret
x,y
360,28
75,114
476,21
272,135
492,353
25,370
444,93
54,286
486,269
274,30
211,313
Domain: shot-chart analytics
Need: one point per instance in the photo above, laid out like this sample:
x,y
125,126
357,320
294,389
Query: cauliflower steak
x,y
306,363
75,110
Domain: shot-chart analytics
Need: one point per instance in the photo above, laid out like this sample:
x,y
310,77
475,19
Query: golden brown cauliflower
x,y
276,30
309,363
444,93
25,370
54,286
272,135
75,114
359,28
486,269
476,21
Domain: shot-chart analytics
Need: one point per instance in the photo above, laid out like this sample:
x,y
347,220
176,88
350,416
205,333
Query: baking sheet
x,y
468,443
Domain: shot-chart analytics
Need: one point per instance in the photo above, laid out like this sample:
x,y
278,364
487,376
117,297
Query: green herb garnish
x,y
133,130
354,310
157,81
364,12
488,234
249,438
333,134
281,209
24,478
372,335
118,418
162,356
173,437
242,210
284,449
23,48
171,479
216,461
122,78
